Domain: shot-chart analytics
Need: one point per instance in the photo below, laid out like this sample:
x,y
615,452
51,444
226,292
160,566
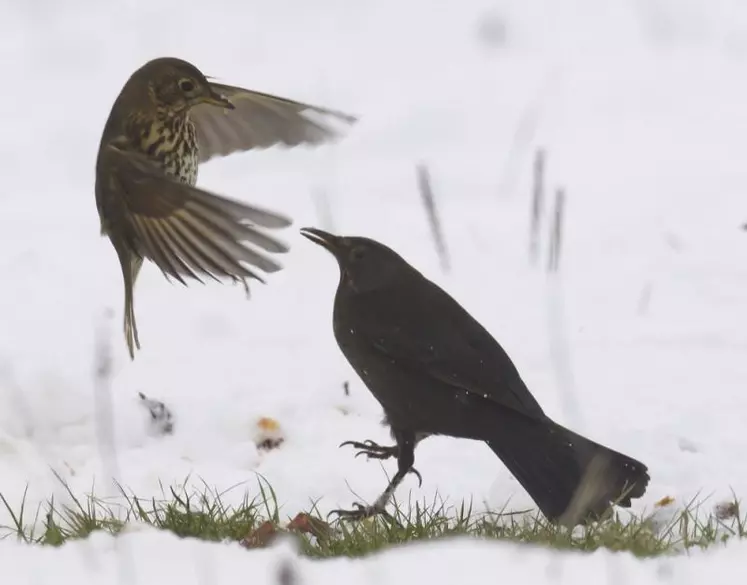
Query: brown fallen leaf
x,y
268,424
726,510
261,536
307,524
665,501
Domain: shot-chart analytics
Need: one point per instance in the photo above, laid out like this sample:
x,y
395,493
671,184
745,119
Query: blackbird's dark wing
x,y
260,120
422,328
187,231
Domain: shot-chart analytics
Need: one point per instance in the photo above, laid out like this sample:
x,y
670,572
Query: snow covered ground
x,y
153,557
640,344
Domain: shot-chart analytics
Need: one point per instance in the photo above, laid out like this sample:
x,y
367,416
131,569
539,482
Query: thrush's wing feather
x,y
187,231
428,332
259,120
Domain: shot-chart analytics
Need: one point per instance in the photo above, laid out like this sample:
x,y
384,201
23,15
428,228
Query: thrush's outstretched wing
x,y
187,231
420,327
260,120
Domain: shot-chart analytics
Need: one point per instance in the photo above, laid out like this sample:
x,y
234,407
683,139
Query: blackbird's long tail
x,y
571,478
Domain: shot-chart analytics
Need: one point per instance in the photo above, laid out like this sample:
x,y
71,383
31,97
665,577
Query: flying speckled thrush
x,y
168,119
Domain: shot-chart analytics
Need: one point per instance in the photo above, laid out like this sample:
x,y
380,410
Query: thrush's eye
x,y
186,85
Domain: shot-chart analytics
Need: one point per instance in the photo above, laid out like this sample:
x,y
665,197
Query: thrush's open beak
x,y
324,239
215,99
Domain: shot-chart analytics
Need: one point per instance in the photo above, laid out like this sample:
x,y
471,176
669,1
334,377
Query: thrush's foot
x,y
375,451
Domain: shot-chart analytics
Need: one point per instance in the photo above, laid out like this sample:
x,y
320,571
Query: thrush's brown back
x,y
167,118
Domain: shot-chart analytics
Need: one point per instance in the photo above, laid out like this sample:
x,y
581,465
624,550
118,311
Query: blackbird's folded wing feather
x,y
425,330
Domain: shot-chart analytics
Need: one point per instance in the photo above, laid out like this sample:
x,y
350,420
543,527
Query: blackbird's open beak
x,y
324,239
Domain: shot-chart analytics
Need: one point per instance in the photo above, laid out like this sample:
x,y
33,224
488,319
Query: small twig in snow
x,y
556,236
104,425
429,202
538,203
645,299
526,130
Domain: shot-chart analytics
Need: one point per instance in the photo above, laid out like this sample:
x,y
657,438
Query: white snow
x,y
641,106
157,557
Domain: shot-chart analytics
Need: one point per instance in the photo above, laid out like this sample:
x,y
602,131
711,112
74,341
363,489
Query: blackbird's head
x,y
365,264
171,84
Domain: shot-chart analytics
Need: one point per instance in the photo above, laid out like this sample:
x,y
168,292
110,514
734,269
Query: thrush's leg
x,y
405,453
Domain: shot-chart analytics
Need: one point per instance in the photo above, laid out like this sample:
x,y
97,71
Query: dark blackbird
x,y
436,371
167,119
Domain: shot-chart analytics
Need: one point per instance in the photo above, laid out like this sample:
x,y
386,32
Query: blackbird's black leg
x,y
373,450
405,460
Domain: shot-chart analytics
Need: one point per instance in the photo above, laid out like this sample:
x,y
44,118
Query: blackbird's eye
x,y
186,85
357,253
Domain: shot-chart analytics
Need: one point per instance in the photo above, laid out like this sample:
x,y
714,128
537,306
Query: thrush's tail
x,y
571,478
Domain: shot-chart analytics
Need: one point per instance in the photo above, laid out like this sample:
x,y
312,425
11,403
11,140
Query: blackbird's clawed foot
x,y
373,450
361,512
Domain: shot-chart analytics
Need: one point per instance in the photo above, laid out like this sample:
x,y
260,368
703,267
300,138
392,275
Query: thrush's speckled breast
x,y
170,140
167,119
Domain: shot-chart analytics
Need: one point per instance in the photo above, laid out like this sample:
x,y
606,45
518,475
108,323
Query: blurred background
x,y
637,110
